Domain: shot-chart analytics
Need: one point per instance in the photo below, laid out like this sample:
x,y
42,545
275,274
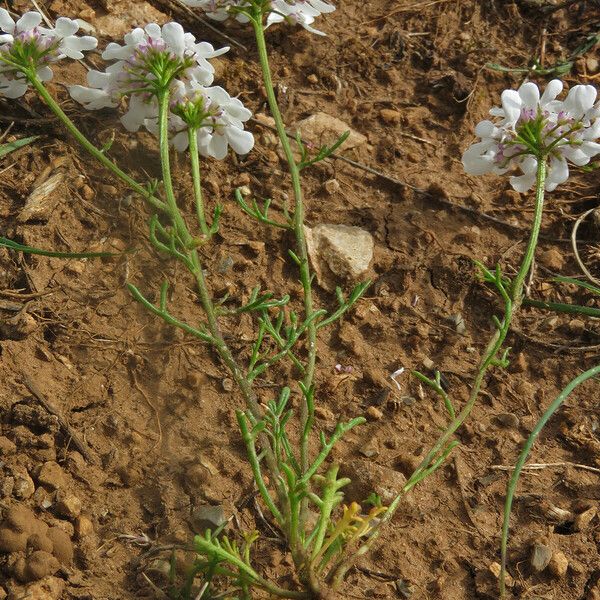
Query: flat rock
x,y
322,129
339,253
540,557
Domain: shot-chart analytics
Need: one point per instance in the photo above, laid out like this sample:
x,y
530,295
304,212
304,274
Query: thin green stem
x,y
89,147
298,226
576,309
165,163
195,161
513,302
512,484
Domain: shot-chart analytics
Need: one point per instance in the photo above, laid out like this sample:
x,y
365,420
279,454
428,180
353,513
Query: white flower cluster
x,y
24,44
297,12
530,126
145,55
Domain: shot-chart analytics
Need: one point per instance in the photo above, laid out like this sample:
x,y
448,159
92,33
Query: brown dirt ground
x,y
411,77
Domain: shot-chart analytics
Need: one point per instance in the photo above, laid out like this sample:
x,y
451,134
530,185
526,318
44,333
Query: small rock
x,y
370,450
495,571
459,323
553,259
558,564
208,517
322,128
540,557
576,326
24,487
592,64
392,117
374,414
83,527
521,364
6,486
508,420
321,412
227,384
312,78
68,506
339,252
43,200
332,186
6,446
88,193
583,520
368,477
52,476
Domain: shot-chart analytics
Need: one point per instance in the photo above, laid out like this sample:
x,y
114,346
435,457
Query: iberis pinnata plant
x,y
296,12
158,60
530,128
25,45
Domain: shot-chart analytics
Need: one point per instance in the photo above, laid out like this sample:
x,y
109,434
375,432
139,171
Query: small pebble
x,y
558,564
390,116
554,259
87,192
312,78
324,413
83,527
576,326
508,420
227,384
69,506
583,520
332,186
374,414
540,557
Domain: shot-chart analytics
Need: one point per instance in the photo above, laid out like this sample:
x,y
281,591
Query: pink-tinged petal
x,y
28,21
553,89
530,94
241,141
7,23
173,35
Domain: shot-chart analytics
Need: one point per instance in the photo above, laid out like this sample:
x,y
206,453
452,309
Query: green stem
x,y
165,163
193,148
513,302
298,226
512,484
89,147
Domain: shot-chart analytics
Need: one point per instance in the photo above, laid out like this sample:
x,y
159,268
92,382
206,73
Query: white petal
x,y
511,103
180,141
576,155
580,99
6,21
558,172
217,147
475,163
553,89
206,50
530,94
72,46
590,148
153,30
322,6
485,129
91,98
12,88
45,73
241,141
6,38
65,27
28,21
173,35
522,183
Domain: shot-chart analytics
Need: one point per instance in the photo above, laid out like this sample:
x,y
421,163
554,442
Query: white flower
x,y
530,126
134,72
24,44
217,118
297,12
300,12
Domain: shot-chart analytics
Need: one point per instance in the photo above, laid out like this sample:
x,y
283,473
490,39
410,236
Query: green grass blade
x,y
512,484
588,311
579,282
5,242
12,146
